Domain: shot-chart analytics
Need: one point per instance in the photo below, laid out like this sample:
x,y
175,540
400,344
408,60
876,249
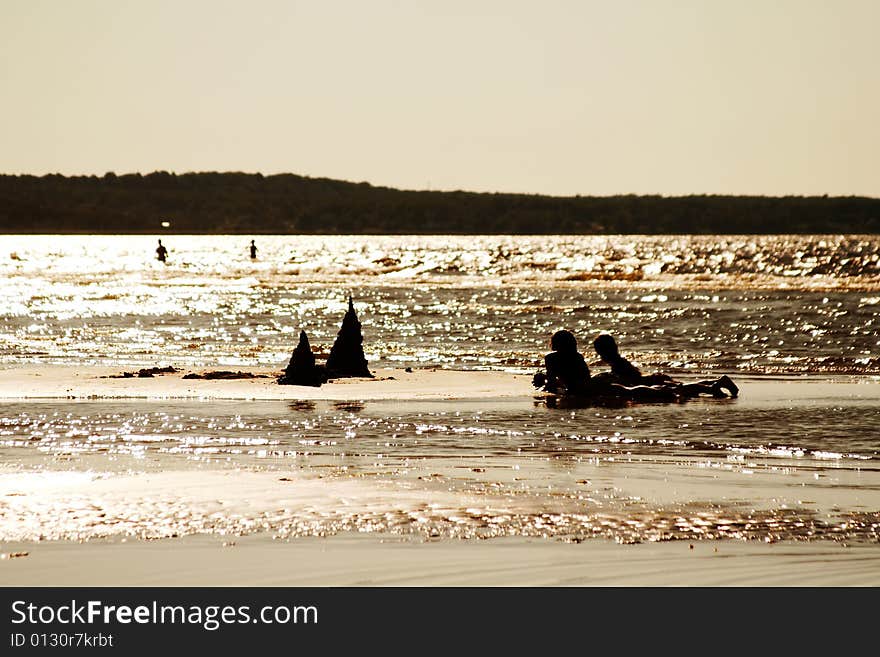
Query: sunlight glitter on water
x,y
752,304
739,304
439,469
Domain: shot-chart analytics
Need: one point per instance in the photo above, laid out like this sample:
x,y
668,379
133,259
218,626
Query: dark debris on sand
x,y
226,374
144,373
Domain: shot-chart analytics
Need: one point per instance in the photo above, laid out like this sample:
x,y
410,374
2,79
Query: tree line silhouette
x,y
240,203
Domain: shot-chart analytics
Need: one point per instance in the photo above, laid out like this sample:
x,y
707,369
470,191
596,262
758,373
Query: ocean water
x,y
764,304
794,319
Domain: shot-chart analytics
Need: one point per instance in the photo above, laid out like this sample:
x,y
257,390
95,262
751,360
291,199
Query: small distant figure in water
x,y
253,249
161,252
626,374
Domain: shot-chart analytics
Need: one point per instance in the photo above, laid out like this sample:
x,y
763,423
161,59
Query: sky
x,y
671,97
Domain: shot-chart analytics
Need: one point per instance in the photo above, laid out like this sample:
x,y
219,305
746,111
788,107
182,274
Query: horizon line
x,y
432,190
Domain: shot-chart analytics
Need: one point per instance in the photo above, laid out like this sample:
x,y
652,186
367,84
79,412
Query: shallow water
x,y
763,309
704,469
765,304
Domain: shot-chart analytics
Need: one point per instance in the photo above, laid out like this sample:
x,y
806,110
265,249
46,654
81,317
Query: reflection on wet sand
x,y
348,406
440,469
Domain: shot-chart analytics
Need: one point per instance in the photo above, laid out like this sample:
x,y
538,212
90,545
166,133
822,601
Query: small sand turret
x,y
302,370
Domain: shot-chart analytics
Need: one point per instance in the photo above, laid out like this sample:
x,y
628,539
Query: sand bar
x,y
95,382
371,560
67,382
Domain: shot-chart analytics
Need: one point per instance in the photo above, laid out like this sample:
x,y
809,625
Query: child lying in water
x,y
567,373
627,374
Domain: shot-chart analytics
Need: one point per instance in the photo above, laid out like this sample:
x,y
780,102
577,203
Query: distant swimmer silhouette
x,y
161,252
253,249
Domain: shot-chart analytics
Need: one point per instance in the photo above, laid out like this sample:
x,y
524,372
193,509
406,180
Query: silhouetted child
x,y
253,248
566,370
567,373
627,374
161,252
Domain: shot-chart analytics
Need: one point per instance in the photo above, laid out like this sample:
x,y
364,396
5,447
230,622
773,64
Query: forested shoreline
x,y
240,203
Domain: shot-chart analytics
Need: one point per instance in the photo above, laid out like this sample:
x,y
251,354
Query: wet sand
x,y
209,549
66,382
371,560
95,382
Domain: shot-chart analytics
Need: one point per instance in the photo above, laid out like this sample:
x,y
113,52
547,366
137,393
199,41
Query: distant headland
x,y
253,204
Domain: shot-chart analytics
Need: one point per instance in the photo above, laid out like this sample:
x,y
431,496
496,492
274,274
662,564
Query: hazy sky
x,y
557,97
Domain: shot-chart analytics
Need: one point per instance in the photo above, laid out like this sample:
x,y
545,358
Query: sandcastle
x,y
346,359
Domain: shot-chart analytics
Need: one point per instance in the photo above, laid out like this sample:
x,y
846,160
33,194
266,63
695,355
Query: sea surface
x,y
776,313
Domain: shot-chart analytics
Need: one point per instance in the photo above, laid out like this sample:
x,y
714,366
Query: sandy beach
x,y
67,382
101,382
369,560
325,527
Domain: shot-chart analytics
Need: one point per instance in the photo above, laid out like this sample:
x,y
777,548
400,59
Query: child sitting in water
x,y
566,370
627,374
567,373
